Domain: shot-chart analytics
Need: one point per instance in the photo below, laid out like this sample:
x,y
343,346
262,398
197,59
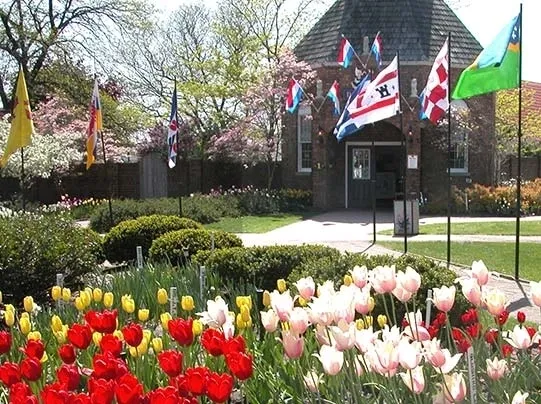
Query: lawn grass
x,y
499,257
527,228
254,224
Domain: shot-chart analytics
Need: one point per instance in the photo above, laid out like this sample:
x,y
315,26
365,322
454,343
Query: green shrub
x,y
210,208
262,265
36,248
171,245
294,200
122,240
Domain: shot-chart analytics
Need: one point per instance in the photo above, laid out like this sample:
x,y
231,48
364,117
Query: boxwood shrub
x,y
35,248
170,246
122,240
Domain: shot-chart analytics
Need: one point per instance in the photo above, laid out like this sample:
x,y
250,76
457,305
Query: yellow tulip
x,y
118,334
368,321
247,300
147,334
62,334
197,327
10,307
97,295
240,322
164,318
266,298
56,293
24,325
96,338
79,304
371,304
28,303
128,305
35,335
142,314
108,299
88,290
359,324
245,313
56,323
133,352
86,297
382,320
142,348
157,345
162,296
281,284
44,358
66,294
302,301
24,314
9,318
348,280
187,303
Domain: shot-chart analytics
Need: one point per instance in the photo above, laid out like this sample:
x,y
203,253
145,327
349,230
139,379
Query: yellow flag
x,y
22,126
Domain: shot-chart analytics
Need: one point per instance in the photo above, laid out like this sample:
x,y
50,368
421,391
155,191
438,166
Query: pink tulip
x,y
331,359
364,339
360,276
321,310
410,280
496,369
293,344
456,387
384,279
415,330
409,355
312,381
495,301
306,288
362,301
479,271
343,305
383,359
520,338
471,290
270,320
414,379
298,320
535,290
401,293
520,398
322,335
344,335
444,298
440,358
282,304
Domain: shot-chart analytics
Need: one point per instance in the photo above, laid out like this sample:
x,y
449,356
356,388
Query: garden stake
x,y
428,307
471,371
60,282
201,281
173,301
139,252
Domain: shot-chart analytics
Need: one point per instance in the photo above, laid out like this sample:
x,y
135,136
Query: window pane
x,y
306,155
305,132
361,164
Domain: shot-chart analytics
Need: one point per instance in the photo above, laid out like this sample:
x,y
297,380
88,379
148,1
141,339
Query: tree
x,y
34,33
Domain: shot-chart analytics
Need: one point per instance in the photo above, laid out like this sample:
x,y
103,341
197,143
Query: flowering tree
x,y
154,140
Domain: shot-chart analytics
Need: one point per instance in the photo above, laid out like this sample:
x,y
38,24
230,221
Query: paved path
x,y
352,231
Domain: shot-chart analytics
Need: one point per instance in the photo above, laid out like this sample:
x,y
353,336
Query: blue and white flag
x,y
172,132
333,94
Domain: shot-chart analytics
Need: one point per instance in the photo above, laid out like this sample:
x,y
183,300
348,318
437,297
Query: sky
x,y
484,18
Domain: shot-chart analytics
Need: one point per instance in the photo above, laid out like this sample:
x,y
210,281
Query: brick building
x,y
314,159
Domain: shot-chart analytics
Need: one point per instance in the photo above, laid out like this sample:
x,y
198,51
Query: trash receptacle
x,y
410,221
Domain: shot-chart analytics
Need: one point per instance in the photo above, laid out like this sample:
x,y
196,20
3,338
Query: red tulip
x,y
521,317
101,391
133,334
181,330
502,318
181,384
80,335
55,394
67,353
491,336
110,343
164,395
34,349
197,380
20,393
507,350
213,341
5,342
240,365
531,331
171,362
106,366
463,345
104,321
129,390
469,317
80,398
219,387
69,376
474,330
235,344
10,373
31,369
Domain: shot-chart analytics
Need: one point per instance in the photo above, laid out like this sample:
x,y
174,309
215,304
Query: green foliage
x,y
294,200
210,208
262,265
35,248
171,245
122,240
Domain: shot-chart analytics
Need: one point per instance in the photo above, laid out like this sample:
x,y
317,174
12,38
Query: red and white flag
x,y
434,98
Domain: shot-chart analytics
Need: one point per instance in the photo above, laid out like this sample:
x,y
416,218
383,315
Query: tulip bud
x,y
34,335
240,322
9,318
62,334
382,320
24,325
133,352
128,305
24,314
266,298
368,321
348,280
119,335
86,297
162,296
521,317
371,304
108,299
281,284
197,327
56,293
79,304
56,323
28,303
96,338
157,345
97,295
302,301
147,334
359,324
66,294
142,348
187,303
142,314
9,307
245,313
164,318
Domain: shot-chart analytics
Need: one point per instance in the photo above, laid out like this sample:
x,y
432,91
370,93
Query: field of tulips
x,y
164,335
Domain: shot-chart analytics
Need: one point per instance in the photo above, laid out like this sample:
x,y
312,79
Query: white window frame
x,y
464,169
304,110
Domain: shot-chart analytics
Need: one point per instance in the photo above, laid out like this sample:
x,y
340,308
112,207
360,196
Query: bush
x,y
170,245
210,208
122,240
294,200
36,248
262,265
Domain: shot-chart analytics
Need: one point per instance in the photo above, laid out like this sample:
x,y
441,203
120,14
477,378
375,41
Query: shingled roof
x,y
416,27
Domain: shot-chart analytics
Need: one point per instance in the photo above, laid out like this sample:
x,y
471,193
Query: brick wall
x,y
530,168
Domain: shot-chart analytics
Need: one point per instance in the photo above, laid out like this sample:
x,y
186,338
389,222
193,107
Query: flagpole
x,y
449,150
373,191
22,180
519,151
106,176
370,51
179,172
355,53
405,163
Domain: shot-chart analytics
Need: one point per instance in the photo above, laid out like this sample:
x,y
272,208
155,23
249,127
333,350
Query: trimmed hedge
x,y
122,240
33,249
170,245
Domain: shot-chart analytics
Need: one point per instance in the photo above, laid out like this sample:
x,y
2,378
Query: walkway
x,y
352,231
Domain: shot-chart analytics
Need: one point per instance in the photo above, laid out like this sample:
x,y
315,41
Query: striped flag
x,y
94,126
333,94
345,53
434,98
294,95
377,48
172,132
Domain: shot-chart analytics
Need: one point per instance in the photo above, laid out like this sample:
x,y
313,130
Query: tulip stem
x,y
394,309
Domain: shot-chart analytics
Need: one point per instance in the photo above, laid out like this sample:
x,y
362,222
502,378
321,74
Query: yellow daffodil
x,y
197,327
162,296
382,320
164,318
56,323
34,335
24,325
142,314
108,299
187,303
56,293
9,318
97,295
348,280
66,294
28,303
281,285
245,313
266,298
157,345
96,338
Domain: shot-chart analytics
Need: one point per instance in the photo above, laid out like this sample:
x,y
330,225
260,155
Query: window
x,y
304,139
459,153
361,164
